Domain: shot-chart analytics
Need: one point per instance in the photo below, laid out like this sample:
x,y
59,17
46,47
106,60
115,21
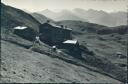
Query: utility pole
x,y
127,42
127,35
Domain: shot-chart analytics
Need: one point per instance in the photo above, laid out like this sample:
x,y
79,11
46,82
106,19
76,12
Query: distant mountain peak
x,y
27,11
47,10
41,18
79,9
91,15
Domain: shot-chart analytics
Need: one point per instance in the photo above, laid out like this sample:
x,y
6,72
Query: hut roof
x,y
70,41
20,27
118,53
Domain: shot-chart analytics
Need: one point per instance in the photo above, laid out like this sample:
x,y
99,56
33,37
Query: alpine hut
x,y
25,32
53,33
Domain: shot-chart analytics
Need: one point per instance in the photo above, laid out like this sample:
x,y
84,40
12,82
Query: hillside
x,y
24,63
41,18
119,29
80,27
85,27
105,41
12,17
20,65
48,13
39,63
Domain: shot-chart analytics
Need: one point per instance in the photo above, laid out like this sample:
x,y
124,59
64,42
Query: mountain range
x,y
92,16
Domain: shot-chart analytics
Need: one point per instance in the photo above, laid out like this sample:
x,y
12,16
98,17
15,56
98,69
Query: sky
x,y
57,5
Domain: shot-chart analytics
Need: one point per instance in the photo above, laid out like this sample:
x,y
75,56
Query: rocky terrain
x,y
24,63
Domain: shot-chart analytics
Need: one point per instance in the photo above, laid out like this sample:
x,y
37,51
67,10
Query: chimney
x,y
62,26
65,27
48,21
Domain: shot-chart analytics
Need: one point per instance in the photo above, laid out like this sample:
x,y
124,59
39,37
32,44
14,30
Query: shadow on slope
x,y
12,17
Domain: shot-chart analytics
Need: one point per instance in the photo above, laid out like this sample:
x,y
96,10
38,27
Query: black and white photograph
x,y
64,41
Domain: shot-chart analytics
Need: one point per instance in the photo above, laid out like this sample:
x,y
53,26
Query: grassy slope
x,y
18,42
41,18
86,33
83,27
104,46
12,17
23,65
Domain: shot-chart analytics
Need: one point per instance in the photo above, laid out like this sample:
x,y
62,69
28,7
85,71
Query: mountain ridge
x,y
41,18
99,17
12,17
